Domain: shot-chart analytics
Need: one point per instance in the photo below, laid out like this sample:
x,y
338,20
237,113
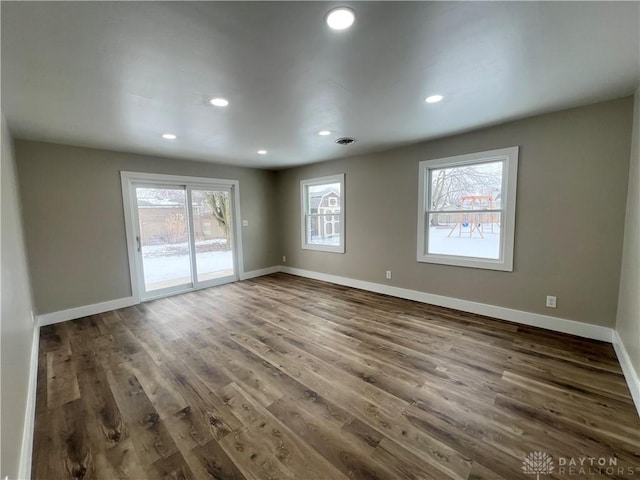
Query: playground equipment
x,y
475,220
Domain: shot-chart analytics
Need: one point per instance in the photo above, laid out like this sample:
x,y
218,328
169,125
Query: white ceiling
x,y
119,74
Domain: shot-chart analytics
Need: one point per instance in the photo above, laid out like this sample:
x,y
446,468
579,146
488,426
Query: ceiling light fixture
x,y
324,133
219,102
169,136
433,98
340,18
262,152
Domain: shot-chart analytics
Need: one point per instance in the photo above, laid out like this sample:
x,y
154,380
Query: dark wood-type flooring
x,y
282,377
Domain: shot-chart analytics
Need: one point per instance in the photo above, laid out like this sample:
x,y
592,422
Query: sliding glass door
x,y
184,234
163,238
212,221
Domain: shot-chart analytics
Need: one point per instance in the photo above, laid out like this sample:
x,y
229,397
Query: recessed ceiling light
x,y
324,133
169,136
262,152
219,102
433,98
340,18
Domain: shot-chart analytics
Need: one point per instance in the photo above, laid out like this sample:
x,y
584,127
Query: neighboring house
x,y
323,204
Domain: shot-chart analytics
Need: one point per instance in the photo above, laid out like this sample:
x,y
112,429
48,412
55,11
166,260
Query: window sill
x,y
324,248
483,263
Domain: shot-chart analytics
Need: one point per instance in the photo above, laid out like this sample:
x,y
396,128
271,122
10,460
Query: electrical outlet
x,y
388,275
284,259
552,301
245,223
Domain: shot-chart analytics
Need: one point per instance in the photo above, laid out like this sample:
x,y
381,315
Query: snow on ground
x,y
175,269
487,247
318,240
166,249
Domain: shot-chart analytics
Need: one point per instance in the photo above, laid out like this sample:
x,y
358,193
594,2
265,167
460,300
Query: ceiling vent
x,y
345,141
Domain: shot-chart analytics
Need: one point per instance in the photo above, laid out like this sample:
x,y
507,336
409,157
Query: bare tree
x,y
449,185
221,209
176,228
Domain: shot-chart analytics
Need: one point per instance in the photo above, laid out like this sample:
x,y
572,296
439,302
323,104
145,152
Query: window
x,y
322,202
466,214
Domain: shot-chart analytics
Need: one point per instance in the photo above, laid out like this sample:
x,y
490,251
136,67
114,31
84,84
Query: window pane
x,y
469,234
163,237
321,198
212,229
323,219
467,187
324,229
322,213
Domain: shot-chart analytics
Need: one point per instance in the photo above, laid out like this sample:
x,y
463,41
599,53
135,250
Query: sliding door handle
x,y
139,246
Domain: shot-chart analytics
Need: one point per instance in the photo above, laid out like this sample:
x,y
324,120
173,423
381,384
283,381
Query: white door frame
x,y
128,179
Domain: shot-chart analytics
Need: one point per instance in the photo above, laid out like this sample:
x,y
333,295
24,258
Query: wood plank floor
x,y
281,377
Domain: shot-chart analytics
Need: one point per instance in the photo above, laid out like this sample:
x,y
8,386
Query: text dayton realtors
x,y
593,465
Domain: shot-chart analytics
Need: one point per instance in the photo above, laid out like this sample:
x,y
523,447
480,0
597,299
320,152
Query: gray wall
x,y
16,324
572,188
628,321
74,219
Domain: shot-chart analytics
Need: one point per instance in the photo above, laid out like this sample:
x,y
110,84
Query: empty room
x,y
320,240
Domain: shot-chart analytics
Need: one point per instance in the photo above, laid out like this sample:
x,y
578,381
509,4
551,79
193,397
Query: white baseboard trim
x,y
79,312
260,272
556,324
26,450
630,373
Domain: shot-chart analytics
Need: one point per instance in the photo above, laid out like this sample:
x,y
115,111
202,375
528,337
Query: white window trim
x,y
303,212
509,184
